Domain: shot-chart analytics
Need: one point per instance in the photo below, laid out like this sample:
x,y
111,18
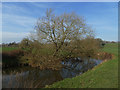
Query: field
x,y
104,75
3,49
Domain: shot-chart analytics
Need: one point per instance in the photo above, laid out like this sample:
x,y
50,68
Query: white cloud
x,y
15,27
13,34
8,37
40,5
11,7
19,20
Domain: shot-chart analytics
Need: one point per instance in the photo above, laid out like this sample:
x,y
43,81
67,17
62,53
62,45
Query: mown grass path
x,y
104,75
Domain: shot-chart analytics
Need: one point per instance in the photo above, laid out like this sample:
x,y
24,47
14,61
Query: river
x,y
28,77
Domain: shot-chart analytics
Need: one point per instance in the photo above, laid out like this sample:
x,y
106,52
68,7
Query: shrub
x,y
11,58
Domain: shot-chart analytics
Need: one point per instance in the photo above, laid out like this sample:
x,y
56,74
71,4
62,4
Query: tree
x,y
56,37
60,29
25,44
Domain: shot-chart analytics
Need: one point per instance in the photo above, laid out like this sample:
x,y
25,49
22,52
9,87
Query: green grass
x,y
8,48
104,75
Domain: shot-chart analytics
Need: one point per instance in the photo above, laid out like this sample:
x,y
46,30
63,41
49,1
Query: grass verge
x,y
104,75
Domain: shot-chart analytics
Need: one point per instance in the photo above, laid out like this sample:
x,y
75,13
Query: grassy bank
x,y
104,75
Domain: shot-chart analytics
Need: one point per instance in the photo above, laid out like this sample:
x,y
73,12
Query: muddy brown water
x,y
28,77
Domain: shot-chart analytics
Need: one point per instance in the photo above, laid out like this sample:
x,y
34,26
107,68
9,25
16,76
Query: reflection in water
x,y
28,77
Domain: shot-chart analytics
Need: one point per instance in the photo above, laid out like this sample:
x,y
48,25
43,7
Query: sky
x,y
19,18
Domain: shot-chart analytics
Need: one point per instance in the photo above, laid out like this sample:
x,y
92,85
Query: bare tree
x,y
58,29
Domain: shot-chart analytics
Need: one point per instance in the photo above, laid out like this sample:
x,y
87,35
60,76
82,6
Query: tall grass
x,y
19,81
11,58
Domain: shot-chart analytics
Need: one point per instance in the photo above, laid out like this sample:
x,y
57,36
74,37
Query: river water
x,y
28,77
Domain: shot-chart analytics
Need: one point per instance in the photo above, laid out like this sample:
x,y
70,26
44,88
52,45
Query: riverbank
x,y
104,75
11,57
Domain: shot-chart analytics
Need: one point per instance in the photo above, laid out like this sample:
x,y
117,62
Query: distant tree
x,y
25,43
101,42
113,42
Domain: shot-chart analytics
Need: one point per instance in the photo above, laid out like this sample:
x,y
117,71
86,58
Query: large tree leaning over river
x,y
59,29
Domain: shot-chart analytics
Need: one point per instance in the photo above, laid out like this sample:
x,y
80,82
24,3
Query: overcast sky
x,y
19,18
